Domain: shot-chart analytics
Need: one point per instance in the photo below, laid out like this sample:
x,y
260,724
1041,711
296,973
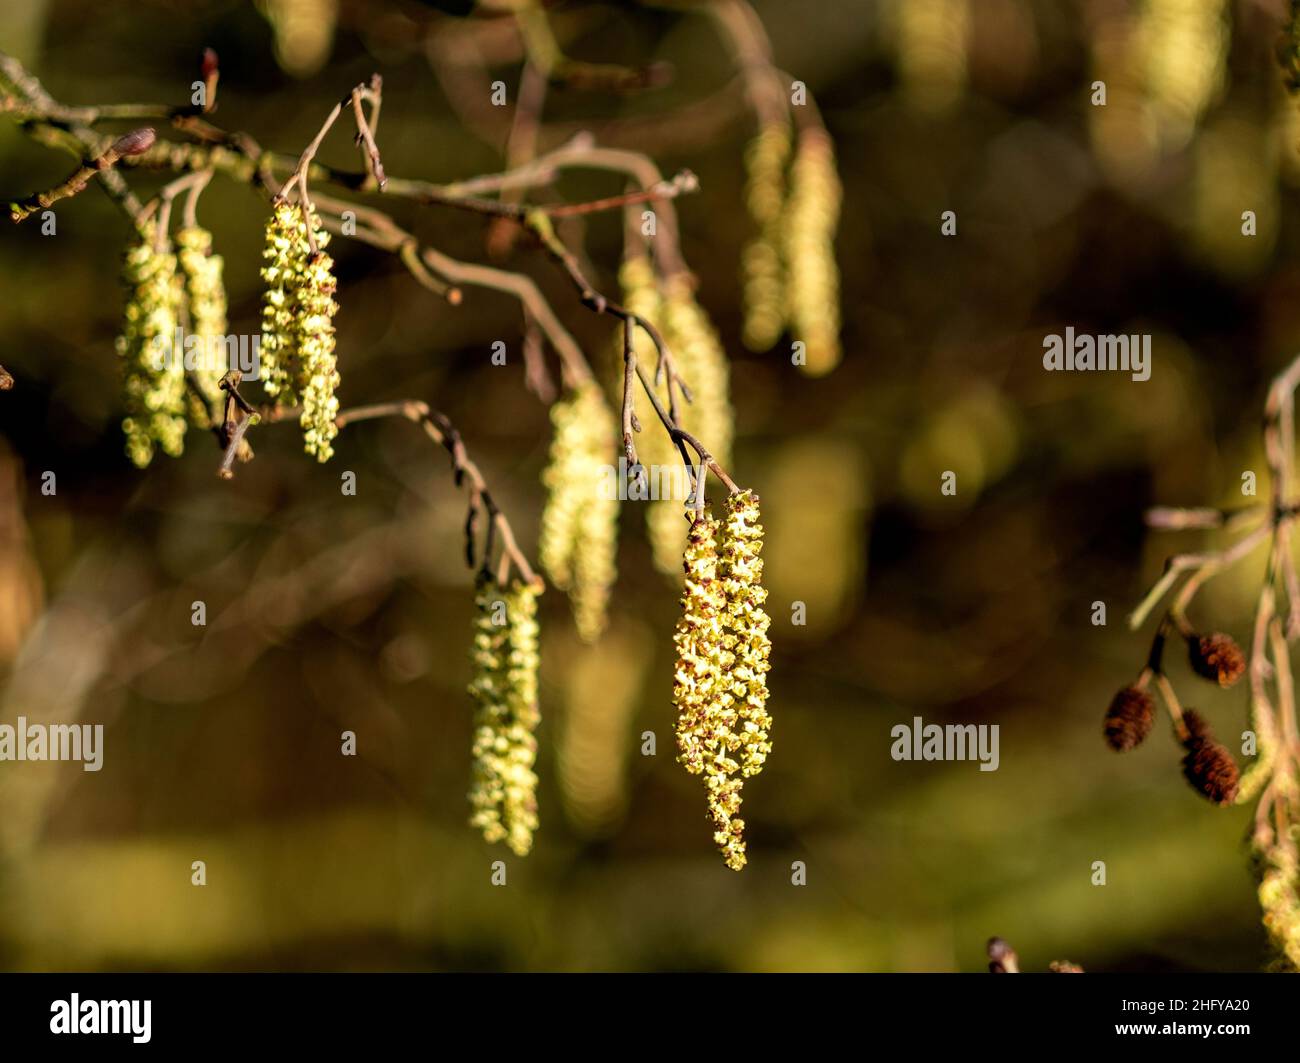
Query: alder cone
x,y
1208,765
1216,657
1129,719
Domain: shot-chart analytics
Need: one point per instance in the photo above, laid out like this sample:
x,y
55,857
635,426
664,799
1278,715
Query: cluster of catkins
x,y
165,289
579,528
503,791
298,307
1207,764
790,274
720,684
702,361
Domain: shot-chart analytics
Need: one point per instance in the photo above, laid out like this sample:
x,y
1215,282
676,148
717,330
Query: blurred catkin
x,y
602,689
504,653
813,281
304,33
1184,47
703,363
22,593
665,518
1279,899
153,373
933,45
297,345
761,266
579,527
206,294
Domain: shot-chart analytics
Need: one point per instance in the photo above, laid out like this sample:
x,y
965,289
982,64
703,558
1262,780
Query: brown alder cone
x,y
1208,765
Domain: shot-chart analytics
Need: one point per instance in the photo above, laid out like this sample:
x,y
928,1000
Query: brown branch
x,y
438,428
133,143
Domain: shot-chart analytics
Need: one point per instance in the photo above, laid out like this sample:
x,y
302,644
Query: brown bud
x,y
136,142
208,65
1129,719
1216,657
1209,767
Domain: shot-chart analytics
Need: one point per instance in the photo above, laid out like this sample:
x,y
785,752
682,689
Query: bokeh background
x,y
328,613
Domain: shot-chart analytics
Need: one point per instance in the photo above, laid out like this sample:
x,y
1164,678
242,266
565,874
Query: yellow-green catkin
x,y
813,282
706,711
505,656
665,523
579,531
703,363
153,373
745,624
761,261
1279,898
297,345
206,294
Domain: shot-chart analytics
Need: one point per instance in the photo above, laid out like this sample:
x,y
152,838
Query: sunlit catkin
x,y
206,294
503,791
703,363
1279,899
761,265
706,711
745,624
297,345
579,531
665,520
813,283
153,372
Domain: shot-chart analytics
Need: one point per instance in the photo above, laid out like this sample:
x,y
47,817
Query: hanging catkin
x,y
503,791
761,261
579,529
153,371
297,345
206,294
813,283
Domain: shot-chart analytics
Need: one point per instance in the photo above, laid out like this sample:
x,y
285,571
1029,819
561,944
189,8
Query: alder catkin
x,y
813,282
206,293
505,657
579,528
297,345
703,364
1279,898
153,372
745,626
706,710
665,520
761,265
